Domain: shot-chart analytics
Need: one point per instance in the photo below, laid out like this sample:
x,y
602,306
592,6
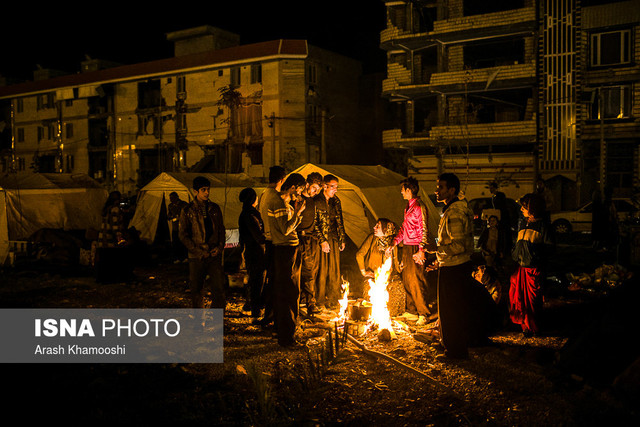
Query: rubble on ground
x,y
603,278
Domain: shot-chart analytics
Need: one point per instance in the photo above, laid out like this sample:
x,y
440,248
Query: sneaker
x,y
421,321
410,316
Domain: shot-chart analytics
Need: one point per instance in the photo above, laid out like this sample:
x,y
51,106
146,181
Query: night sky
x,y
59,37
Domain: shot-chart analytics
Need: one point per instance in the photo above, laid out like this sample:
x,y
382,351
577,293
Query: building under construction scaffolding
x,y
514,92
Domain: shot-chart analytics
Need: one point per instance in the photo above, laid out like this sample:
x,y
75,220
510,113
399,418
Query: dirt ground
x,y
565,377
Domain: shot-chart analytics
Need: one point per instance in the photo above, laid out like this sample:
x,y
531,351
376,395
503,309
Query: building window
x,y
51,131
44,101
313,114
68,102
611,48
70,163
235,76
615,100
20,135
68,130
256,73
181,84
150,94
620,160
40,133
312,74
19,105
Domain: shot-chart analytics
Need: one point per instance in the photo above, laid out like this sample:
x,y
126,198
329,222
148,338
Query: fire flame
x,y
344,302
379,296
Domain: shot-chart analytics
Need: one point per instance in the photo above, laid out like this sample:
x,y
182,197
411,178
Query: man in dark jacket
x,y
329,230
251,227
309,246
201,230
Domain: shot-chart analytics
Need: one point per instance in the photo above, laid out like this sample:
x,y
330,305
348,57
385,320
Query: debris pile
x,y
602,279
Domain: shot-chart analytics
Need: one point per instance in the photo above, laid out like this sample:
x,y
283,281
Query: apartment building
x,y
510,92
609,101
215,106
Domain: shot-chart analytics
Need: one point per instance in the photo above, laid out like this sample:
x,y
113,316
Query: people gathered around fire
x,y
293,240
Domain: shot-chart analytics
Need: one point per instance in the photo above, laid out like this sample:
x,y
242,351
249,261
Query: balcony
x,y
607,76
481,79
409,25
611,129
485,133
393,138
502,133
394,38
467,28
400,83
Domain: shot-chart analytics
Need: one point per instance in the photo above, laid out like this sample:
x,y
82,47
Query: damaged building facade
x,y
216,106
514,92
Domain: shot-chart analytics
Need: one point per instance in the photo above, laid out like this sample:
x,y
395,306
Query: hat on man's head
x,y
199,182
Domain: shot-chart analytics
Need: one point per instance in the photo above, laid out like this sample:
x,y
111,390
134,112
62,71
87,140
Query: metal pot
x,y
358,312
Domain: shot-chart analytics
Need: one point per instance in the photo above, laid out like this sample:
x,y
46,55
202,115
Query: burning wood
x,y
344,302
375,311
379,296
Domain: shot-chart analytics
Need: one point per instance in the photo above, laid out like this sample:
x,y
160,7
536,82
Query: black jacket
x,y
328,222
193,229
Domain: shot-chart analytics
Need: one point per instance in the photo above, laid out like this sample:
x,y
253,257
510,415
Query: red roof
x,y
210,58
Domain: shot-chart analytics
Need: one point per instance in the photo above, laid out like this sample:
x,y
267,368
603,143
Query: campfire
x,y
379,296
374,311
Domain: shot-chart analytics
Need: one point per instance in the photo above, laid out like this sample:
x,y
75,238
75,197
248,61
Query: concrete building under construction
x,y
514,92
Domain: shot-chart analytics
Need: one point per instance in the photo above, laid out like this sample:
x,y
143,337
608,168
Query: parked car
x,y
479,204
580,219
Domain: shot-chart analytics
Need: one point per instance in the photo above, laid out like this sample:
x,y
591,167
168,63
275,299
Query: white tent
x,y
368,193
224,190
32,201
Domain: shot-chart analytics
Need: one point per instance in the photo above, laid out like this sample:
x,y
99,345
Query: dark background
x,y
58,36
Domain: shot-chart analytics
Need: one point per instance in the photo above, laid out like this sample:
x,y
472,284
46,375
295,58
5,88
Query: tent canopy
x,y
48,200
224,190
368,193
33,201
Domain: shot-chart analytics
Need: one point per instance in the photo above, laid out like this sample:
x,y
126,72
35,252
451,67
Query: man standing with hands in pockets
x,y
201,230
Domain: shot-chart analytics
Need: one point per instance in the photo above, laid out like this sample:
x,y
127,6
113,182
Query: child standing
x,y
530,251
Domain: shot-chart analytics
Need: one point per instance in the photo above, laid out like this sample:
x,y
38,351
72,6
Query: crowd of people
x,y
293,233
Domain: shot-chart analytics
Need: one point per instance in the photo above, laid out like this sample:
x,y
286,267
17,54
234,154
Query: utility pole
x,y
603,144
272,125
323,137
60,158
13,137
